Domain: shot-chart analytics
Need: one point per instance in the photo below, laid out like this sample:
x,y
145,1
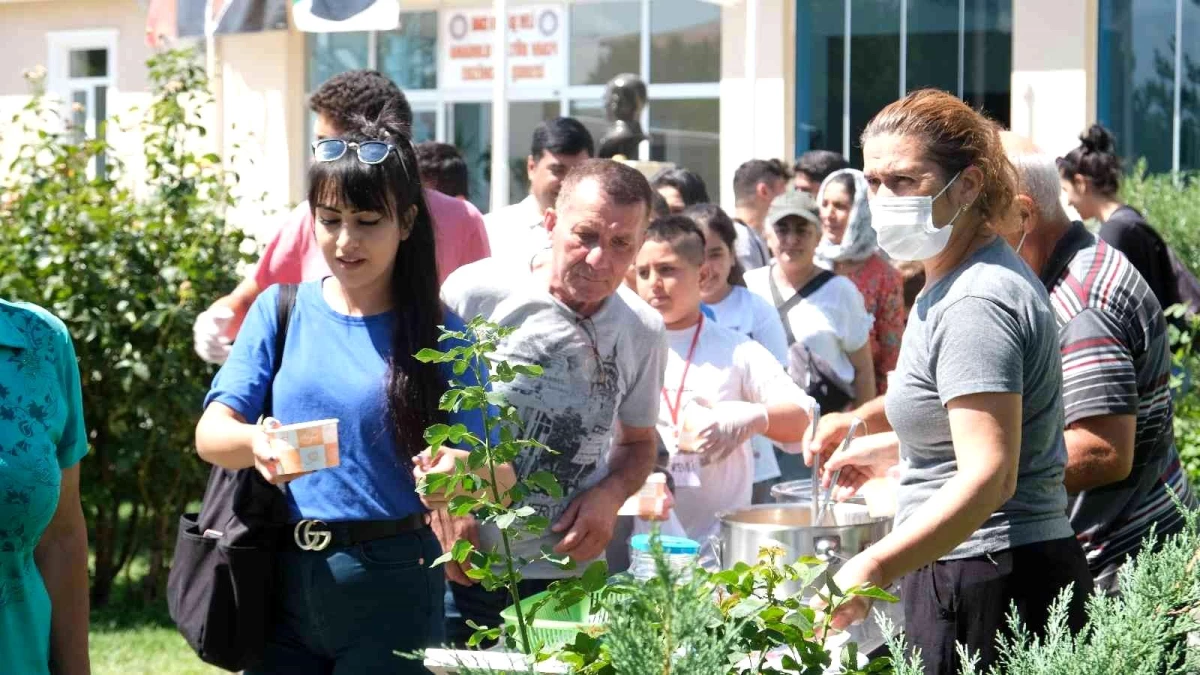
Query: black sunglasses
x,y
369,152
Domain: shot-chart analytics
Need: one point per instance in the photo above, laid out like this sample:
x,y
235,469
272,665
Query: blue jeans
x,y
350,610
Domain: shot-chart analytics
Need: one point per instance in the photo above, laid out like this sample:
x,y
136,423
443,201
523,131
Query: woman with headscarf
x,y
849,249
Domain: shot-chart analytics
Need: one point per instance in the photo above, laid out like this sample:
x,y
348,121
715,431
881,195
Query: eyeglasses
x,y
369,152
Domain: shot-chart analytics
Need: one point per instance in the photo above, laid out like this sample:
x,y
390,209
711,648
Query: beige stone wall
x,y
261,111
767,131
1054,71
27,27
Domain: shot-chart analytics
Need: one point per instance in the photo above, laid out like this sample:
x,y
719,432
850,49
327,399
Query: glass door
x,y
470,129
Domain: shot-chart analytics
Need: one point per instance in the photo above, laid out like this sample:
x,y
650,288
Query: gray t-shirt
x,y
749,248
597,370
985,328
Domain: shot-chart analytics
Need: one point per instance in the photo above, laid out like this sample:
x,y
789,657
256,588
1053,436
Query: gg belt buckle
x,y
309,539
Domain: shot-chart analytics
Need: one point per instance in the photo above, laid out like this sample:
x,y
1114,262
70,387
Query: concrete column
x,y
262,94
1054,71
764,129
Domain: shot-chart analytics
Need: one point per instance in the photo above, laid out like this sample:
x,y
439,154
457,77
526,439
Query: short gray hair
x,y
1038,177
622,184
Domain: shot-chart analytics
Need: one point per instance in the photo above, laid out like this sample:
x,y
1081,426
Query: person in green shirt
x,y
43,538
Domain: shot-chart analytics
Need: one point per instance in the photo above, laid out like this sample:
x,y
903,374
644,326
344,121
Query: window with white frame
x,y
675,45
81,72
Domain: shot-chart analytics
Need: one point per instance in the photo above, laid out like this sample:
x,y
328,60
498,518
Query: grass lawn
x,y
129,638
146,649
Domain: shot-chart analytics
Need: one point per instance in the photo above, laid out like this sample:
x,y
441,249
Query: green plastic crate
x,y
553,628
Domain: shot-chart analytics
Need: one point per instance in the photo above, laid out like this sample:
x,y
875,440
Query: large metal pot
x,y
744,531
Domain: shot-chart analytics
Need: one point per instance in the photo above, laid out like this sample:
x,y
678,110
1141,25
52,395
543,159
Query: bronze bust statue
x,y
624,98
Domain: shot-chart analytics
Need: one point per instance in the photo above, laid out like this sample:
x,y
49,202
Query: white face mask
x,y
905,228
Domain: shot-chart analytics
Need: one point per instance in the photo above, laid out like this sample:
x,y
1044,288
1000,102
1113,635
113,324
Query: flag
x,y
332,16
167,20
162,24
246,16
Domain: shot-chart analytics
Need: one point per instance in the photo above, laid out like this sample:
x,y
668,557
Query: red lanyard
x,y
674,409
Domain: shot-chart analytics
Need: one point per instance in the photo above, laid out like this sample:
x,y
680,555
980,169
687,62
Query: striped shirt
x,y
1116,361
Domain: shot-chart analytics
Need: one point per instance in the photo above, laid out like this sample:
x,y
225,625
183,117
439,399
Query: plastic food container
x,y
313,446
681,553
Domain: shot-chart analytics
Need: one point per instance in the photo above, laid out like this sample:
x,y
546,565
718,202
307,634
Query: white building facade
x,y
728,81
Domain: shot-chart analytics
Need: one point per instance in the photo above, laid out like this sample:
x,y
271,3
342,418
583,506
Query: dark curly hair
x,y
359,94
392,188
443,168
1095,159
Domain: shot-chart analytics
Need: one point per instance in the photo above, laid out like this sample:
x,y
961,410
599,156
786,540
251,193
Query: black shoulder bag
x,y
220,589
820,382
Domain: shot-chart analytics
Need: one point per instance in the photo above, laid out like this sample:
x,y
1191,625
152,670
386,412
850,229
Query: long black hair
x,y
715,219
392,187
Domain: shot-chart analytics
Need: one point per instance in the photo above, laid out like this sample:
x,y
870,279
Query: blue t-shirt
x,y
334,367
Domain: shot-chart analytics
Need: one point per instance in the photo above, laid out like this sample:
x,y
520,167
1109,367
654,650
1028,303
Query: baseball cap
x,y
792,203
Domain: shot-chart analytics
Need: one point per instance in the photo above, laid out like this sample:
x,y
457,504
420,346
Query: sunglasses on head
x,y
369,152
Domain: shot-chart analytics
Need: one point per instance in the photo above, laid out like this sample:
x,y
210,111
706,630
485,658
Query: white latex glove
x,y
208,334
729,424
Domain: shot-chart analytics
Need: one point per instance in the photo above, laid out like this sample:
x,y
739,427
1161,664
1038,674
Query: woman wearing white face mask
x,y
975,401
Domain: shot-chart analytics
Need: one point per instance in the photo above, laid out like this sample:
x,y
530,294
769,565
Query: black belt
x,y
317,535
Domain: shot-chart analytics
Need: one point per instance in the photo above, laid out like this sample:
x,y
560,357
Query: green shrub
x,y
1144,632
1173,208
1186,390
127,268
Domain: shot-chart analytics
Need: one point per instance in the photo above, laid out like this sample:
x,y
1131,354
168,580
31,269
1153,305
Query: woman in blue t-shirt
x,y
370,593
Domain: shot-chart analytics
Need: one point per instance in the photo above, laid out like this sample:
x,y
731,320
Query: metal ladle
x,y
827,498
814,414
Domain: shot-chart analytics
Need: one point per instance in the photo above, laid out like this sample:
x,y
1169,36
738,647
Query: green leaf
x,y
505,520
462,505
434,484
437,434
529,371
595,576
455,433
461,550
833,587
802,618
537,524
873,592
546,482
442,559
428,355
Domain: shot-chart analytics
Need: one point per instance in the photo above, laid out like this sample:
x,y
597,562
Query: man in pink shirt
x,y
292,255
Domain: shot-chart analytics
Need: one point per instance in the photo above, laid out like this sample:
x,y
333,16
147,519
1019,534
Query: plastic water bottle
x,y
681,556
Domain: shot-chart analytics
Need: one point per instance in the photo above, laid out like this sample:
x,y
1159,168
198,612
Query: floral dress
x,y
41,433
882,289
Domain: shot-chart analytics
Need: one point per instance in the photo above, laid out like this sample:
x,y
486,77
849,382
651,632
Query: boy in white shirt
x,y
727,386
